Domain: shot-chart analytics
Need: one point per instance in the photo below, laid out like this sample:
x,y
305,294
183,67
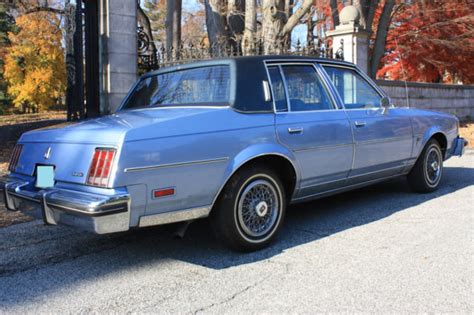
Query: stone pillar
x,y
118,51
355,40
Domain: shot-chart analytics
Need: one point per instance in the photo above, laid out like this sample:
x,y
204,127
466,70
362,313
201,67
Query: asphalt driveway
x,y
378,249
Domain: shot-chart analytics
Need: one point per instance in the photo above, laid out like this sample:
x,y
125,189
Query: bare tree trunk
x,y
216,25
169,24
288,12
273,18
235,16
381,38
274,28
361,5
371,13
334,13
236,22
70,26
177,8
249,39
288,8
173,28
310,30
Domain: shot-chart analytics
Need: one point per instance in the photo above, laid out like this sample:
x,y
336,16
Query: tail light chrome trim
x,y
101,166
15,157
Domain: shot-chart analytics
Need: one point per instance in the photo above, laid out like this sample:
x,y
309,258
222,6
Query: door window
x,y
354,90
306,92
278,89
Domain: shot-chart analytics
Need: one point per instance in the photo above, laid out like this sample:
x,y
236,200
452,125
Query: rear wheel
x,y
426,174
250,209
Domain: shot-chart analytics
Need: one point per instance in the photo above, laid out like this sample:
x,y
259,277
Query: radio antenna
x,y
404,74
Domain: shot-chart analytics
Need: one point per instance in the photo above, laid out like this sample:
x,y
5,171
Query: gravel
x,y
378,249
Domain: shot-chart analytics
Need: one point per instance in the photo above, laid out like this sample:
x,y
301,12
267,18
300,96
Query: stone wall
x,y
448,98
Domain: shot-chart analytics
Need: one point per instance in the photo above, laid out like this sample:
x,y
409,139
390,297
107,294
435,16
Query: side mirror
x,y
385,104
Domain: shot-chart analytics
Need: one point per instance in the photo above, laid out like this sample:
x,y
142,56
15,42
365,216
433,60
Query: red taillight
x,y
99,171
15,157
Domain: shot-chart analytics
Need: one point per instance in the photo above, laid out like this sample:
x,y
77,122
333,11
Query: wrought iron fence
x,y
152,56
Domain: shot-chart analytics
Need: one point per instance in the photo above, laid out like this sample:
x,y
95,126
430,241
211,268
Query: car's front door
x,y
383,137
309,122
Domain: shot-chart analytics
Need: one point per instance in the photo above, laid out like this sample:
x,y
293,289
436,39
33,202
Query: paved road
x,y
376,249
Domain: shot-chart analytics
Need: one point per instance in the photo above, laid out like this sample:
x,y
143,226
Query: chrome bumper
x,y
459,146
97,213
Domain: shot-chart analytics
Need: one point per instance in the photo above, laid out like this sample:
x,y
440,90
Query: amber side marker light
x,y
99,171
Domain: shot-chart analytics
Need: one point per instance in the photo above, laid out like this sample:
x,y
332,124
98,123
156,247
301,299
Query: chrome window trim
x,y
319,74
269,80
287,93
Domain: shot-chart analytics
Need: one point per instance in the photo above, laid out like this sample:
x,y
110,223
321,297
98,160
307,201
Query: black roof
x,y
249,74
242,60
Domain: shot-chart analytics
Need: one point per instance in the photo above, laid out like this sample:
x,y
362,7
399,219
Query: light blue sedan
x,y
235,139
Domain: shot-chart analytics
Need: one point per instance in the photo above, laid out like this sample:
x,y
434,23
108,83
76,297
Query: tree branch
x,y
44,9
296,17
381,38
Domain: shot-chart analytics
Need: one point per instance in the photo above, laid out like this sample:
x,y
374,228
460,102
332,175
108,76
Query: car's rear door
x,y
309,122
383,138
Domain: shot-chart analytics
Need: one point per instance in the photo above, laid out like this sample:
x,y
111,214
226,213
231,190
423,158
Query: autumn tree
x,y
156,12
193,30
431,42
34,66
7,25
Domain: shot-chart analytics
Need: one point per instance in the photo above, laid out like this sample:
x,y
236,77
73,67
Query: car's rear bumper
x,y
93,212
459,146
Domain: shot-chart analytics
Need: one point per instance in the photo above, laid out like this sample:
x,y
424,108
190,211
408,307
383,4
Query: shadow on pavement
x,y
55,258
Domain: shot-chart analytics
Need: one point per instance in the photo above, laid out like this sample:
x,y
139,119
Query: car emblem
x,y
47,154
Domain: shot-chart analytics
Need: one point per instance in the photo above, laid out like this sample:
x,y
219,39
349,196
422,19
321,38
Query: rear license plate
x,y
44,176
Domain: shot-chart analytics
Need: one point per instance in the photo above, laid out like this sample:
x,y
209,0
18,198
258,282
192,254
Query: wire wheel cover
x,y
258,208
433,166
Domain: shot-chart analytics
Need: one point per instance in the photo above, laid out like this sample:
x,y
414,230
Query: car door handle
x,y
360,123
295,130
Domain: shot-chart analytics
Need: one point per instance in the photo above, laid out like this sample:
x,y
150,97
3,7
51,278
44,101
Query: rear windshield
x,y
208,86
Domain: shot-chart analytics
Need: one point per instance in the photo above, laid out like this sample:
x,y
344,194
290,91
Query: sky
x,y
298,33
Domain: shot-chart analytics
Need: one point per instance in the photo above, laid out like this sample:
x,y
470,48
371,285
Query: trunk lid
x,y
71,146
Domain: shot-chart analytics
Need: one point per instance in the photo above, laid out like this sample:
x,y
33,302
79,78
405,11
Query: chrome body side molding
x,y
155,167
175,216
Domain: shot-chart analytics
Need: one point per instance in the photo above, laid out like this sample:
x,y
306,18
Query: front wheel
x,y
426,174
250,209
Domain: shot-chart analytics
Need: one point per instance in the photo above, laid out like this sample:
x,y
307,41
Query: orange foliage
x,y
34,66
431,41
